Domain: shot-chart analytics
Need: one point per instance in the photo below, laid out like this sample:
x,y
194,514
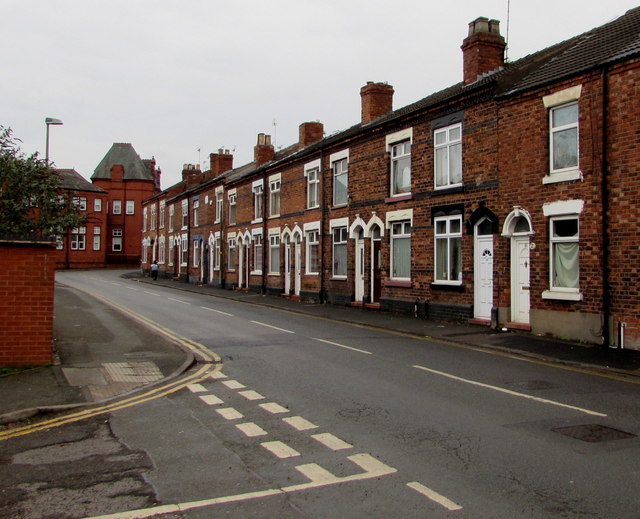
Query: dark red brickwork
x,y
27,273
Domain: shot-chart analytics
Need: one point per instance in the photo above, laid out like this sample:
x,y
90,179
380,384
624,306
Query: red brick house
x,y
83,247
128,180
507,199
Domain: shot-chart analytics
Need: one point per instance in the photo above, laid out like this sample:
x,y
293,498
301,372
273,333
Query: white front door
x,y
298,268
359,281
287,268
483,276
520,289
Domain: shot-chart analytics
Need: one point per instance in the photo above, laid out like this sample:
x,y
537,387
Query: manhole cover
x,y
593,433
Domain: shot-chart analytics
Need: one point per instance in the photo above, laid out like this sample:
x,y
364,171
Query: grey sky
x,y
174,76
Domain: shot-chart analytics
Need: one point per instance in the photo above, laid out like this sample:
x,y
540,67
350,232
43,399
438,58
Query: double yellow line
x,y
213,365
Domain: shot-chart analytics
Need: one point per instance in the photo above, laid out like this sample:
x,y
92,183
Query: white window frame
x,y
275,185
393,141
232,245
448,235
185,214
233,203
562,210
196,215
161,210
312,174
97,205
400,230
450,145
340,225
80,202
340,169
154,216
196,253
274,248
219,203
258,200
312,239
216,250
161,250
117,207
144,219
96,237
130,207
171,216
184,250
78,238
258,251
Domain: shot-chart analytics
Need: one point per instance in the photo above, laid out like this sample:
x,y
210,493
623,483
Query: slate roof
x,y
122,153
73,181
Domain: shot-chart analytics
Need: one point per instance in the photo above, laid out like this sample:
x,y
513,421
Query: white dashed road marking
x,y
332,442
434,496
344,346
251,395
211,399
274,408
281,450
508,391
272,327
178,301
197,388
299,423
218,375
233,384
216,311
251,430
229,413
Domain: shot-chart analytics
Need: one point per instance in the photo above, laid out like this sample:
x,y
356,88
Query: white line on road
x,y
509,392
216,311
196,388
251,395
234,384
229,413
299,423
281,450
211,399
151,293
434,496
344,346
274,408
273,327
218,375
251,430
178,301
131,288
332,442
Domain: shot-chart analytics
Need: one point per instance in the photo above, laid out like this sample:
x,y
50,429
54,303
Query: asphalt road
x,y
313,418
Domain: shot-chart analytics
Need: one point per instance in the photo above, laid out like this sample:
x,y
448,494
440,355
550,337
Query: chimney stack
x,y
309,133
220,162
483,49
377,100
263,152
190,171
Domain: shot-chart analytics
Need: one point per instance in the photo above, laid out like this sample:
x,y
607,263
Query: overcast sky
x,y
172,77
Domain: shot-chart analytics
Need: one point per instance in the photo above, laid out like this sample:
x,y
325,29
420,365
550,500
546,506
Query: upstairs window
x,y
154,216
171,214
563,121
80,202
401,168
340,182
162,209
117,207
130,207
232,208
219,204
274,197
258,202
144,219
196,213
448,156
185,213
97,205
313,182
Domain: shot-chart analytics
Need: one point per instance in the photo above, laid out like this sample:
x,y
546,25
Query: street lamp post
x,y
49,121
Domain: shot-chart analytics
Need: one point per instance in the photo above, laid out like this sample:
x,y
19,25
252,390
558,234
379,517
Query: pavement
x,y
102,354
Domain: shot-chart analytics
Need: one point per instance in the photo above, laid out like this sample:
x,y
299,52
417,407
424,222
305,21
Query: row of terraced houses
x,y
508,199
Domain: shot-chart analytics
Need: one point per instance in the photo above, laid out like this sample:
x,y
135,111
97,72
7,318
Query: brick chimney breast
x,y
483,49
263,152
377,100
220,162
310,132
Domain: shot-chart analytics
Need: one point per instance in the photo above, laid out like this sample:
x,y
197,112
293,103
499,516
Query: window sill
x,y
562,295
257,220
339,278
274,274
448,190
565,176
399,284
398,198
339,206
312,208
312,273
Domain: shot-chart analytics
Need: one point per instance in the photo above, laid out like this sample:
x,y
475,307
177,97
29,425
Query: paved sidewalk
x,y
101,353
623,362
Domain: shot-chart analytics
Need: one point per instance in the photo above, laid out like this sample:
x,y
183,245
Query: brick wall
x,y
27,276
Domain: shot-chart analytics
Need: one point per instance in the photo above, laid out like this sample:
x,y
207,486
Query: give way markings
x,y
316,476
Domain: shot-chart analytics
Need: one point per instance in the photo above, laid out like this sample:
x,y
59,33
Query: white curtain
x,y
565,265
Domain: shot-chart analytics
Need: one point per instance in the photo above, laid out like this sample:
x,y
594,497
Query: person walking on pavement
x,y
154,270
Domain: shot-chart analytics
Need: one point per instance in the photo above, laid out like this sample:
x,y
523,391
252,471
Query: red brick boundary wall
x,y
27,276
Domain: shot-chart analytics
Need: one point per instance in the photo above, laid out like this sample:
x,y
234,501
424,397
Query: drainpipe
x,y
265,248
604,165
323,218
